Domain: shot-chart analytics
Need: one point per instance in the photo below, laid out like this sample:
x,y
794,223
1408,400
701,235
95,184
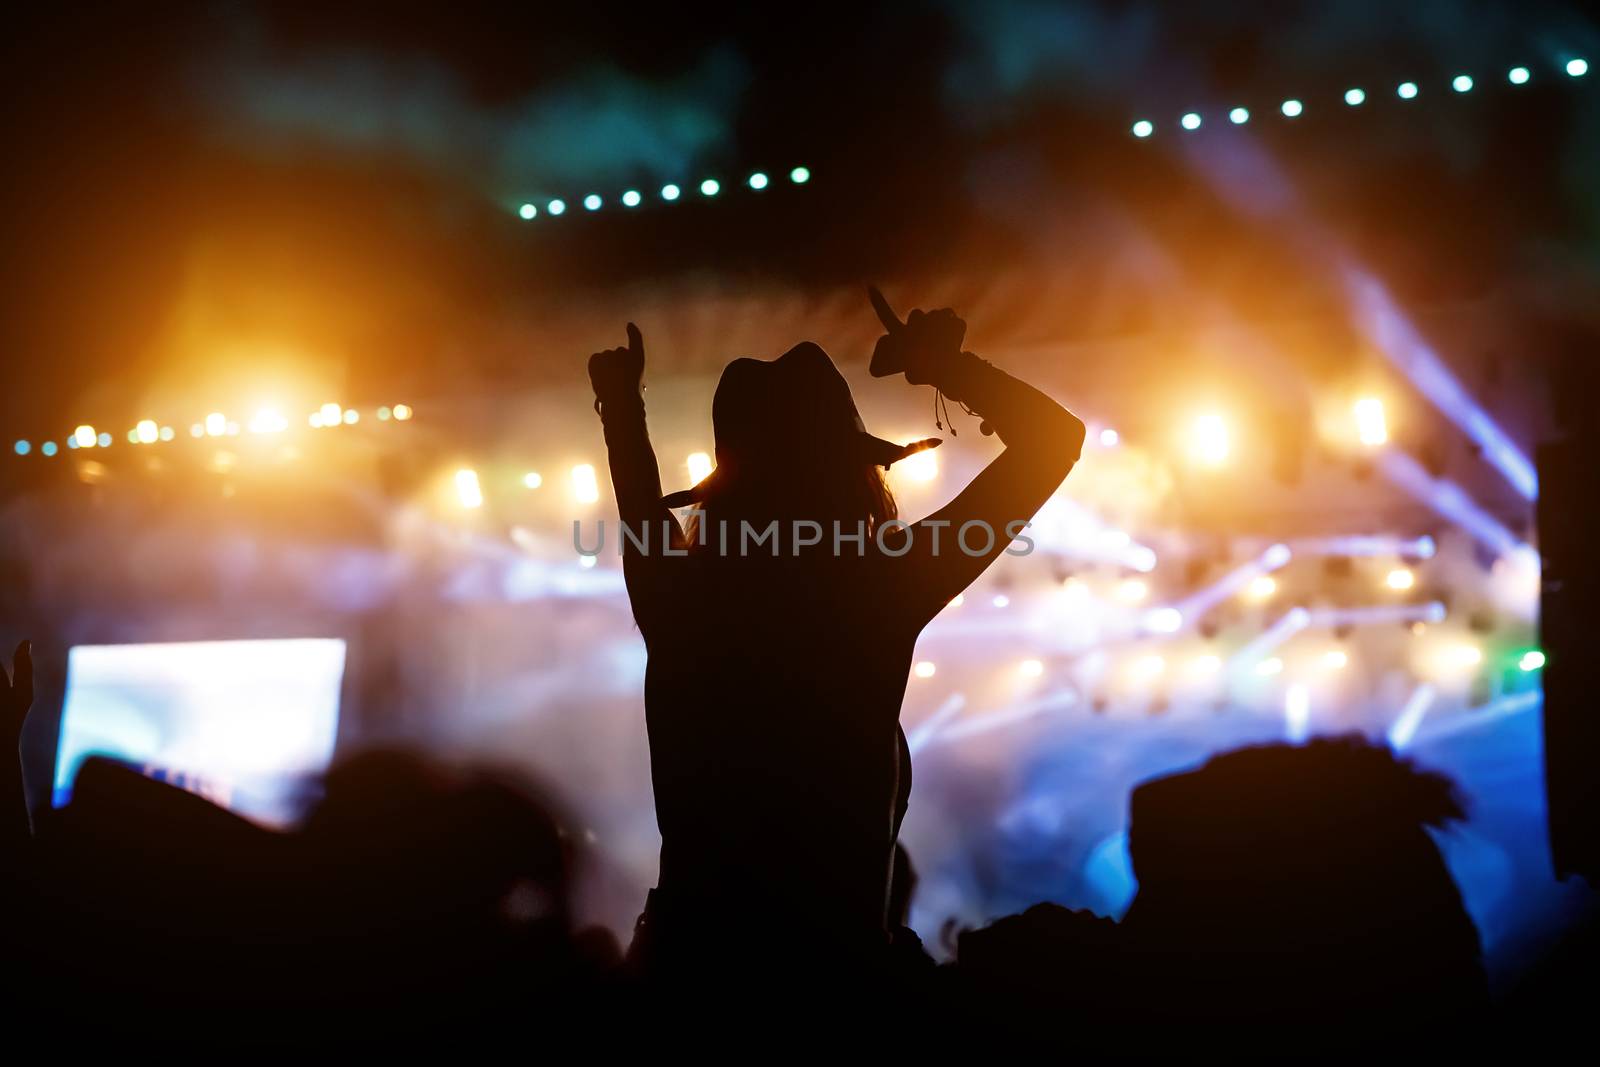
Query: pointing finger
x,y
635,340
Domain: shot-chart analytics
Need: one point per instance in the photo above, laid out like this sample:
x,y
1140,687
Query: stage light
x,y
924,669
1132,590
532,480
1518,75
670,192
104,440
1406,90
1030,668
1531,660
1270,666
1109,438
133,436
1355,97
468,491
384,413
84,437
1163,620
758,180
631,198
1461,83
528,211
1372,427
1297,713
22,448
710,187
1143,128
1460,657
699,467
587,562
331,414
197,430
1148,668
146,432
268,420
1191,121
168,433
1204,666
1208,440
1001,600
585,485
351,416
402,412
1292,109
1335,659
592,202
800,175
556,207
1239,116
314,420
1400,579
1261,588
919,466
1577,68
48,448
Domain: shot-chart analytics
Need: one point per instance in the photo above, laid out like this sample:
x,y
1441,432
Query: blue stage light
x,y
592,202
48,448
1355,97
556,207
670,192
1143,128
1239,116
631,198
22,448
1577,68
1461,83
758,180
1191,121
800,175
1519,75
710,187
528,211
1292,109
1407,90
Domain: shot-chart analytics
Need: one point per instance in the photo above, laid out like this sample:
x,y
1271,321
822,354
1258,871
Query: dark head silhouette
x,y
777,662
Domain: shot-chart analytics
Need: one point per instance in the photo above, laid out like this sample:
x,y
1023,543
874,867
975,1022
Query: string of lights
x,y
214,424
1293,107
668,193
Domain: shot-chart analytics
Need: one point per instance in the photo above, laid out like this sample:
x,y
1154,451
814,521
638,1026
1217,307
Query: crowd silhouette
x,y
1280,886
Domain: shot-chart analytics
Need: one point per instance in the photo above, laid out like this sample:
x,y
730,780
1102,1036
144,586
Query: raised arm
x,y
16,697
1043,441
617,375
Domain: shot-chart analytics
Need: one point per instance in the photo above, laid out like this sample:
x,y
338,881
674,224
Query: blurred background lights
x,y
168,433
1270,666
919,466
1191,121
1577,68
592,202
1001,600
1400,579
468,491
758,180
147,432
402,412
1163,620
585,485
533,480
48,448
1109,438
1406,90
1372,427
631,198
700,465
1149,667
104,440
1461,83
351,416
1292,108
1208,440
1204,666
924,669
1335,659
556,207
84,437
1030,668
1132,590
800,175
710,187
268,420
1531,660
670,192
1143,128
1239,116
1261,587
528,211
1518,75
331,414
22,448
1355,97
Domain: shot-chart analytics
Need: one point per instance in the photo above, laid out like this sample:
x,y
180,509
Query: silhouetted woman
x,y
780,626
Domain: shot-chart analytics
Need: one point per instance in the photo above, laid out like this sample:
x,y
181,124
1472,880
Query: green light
x,y
800,175
758,180
1292,109
1577,68
1462,83
710,187
1519,75
631,198
1355,97
556,207
1143,128
1531,660
528,211
1239,116
1407,90
592,202
670,192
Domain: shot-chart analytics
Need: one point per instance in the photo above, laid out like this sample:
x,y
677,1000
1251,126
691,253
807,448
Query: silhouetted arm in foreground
x,y
1043,441
16,697
617,375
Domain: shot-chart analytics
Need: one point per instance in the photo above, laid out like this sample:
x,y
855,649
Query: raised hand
x,y
16,696
618,373
918,347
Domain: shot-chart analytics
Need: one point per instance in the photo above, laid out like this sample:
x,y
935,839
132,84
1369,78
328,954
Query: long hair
x,y
843,492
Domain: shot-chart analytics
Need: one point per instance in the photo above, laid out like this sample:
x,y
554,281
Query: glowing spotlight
x,y
48,448
1132,590
1204,666
1297,713
710,187
670,192
1270,666
351,416
133,436
758,180
1355,97
587,562
1030,668
314,420
1335,659
1163,620
1406,90
528,211
532,480
1577,68
1150,667
384,413
22,448
924,669
699,467
104,440
1001,600
1291,109
1261,588
592,202
800,175
1372,427
1239,116
556,207
1461,83
168,433
1191,121
585,486
197,430
1531,660
1208,440
402,412
919,466
1109,438
1143,128
631,198
147,432
268,420
1457,659
468,491
1518,75
331,414
1400,579
84,437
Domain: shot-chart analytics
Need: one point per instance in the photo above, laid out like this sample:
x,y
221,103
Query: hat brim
x,y
877,451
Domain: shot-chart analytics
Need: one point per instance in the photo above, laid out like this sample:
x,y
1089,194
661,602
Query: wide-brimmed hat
x,y
767,411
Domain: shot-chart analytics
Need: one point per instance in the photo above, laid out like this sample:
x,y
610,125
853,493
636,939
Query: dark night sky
x,y
350,174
